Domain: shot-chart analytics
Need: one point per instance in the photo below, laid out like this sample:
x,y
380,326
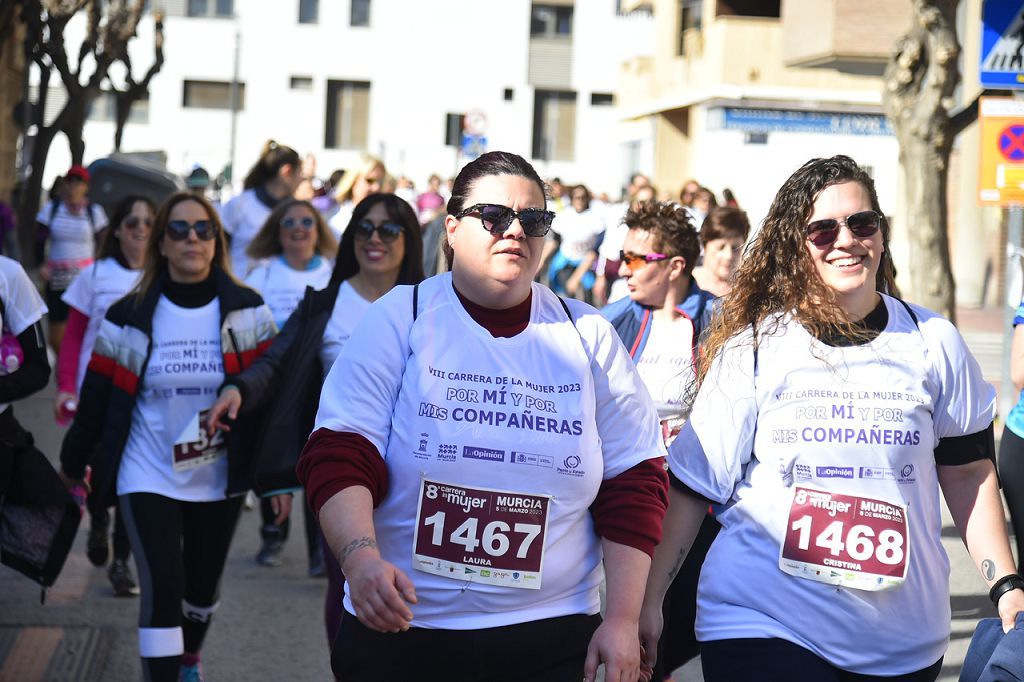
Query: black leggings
x,y
180,550
776,660
549,650
1011,475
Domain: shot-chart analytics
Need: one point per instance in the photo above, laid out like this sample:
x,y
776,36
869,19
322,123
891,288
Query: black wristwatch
x,y
1009,582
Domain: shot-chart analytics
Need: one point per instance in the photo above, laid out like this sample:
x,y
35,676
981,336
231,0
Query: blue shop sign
x,y
789,121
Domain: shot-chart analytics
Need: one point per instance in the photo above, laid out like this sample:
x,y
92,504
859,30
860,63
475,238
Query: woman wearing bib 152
x,y
829,416
481,448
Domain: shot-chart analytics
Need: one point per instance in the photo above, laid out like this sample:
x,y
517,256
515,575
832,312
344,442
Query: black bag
x,y
38,516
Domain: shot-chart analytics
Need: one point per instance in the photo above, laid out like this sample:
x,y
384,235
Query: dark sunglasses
x,y
862,224
635,261
388,232
178,230
496,218
131,222
306,223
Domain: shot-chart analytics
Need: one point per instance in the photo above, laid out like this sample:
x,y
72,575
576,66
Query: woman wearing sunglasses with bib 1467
x,y
160,356
484,454
829,416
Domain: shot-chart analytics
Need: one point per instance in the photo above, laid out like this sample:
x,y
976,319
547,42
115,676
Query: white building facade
x,y
393,78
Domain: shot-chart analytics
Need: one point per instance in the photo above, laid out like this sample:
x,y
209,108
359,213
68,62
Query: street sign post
x,y
1002,44
1001,174
472,146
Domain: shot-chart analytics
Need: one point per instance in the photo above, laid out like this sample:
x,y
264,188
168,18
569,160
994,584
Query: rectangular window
x,y
208,8
601,99
510,94
690,17
453,129
360,13
211,95
551,21
771,9
348,115
301,83
309,11
554,125
104,108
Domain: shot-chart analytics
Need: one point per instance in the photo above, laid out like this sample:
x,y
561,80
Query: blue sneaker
x,y
191,673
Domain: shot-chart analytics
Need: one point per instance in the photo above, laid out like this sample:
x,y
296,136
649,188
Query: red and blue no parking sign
x,y
1011,142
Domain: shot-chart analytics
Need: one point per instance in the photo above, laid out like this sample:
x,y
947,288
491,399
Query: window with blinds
x,y
348,115
554,125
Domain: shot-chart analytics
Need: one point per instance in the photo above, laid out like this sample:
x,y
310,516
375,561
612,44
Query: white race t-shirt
x,y
71,236
340,220
843,423
23,306
168,452
534,423
283,287
579,232
666,365
349,309
92,293
243,218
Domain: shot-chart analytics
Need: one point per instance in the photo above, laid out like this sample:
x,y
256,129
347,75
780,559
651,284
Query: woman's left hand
x,y
572,285
1010,604
282,506
616,643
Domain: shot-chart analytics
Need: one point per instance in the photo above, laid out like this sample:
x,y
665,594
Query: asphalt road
x,y
269,625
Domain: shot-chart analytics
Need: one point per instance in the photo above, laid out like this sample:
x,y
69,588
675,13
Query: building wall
x,y
423,60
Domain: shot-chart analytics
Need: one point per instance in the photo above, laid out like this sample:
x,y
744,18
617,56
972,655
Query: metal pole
x,y
1015,225
234,102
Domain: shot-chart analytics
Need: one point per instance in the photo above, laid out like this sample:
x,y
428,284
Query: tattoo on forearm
x,y
358,543
988,568
679,563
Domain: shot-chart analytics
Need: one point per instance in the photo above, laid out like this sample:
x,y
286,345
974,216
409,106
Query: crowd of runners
x,y
499,394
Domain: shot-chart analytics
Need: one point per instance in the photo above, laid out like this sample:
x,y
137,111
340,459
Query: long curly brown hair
x,y
777,275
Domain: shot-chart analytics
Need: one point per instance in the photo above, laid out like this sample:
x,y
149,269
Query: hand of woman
x,y
282,506
229,401
59,412
379,591
1010,604
572,285
70,483
616,645
652,622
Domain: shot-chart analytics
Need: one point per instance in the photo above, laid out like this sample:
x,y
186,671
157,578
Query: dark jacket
x,y
118,363
632,321
284,384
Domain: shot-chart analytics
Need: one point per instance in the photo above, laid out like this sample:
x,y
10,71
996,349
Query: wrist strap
x,y
1013,581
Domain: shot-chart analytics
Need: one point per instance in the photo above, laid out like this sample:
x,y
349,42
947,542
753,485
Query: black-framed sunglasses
x,y
133,221
305,223
862,224
178,230
388,232
496,218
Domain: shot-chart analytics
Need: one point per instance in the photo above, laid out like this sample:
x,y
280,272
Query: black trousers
x,y
549,650
1011,475
180,550
776,660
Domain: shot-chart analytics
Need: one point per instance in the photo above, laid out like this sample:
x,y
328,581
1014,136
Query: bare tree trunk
x,y
920,77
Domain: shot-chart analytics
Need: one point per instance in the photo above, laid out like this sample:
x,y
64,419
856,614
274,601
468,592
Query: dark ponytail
x,y
271,159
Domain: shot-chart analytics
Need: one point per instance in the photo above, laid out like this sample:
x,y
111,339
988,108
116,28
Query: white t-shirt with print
x,y
552,411
243,218
579,232
23,306
168,452
349,309
666,365
282,287
862,421
71,236
92,293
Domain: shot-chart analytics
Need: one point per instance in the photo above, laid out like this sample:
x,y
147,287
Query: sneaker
x,y
122,580
191,673
250,500
97,548
270,553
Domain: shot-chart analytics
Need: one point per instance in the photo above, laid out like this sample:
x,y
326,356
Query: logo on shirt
x,y
570,466
834,472
532,459
877,474
803,472
486,454
447,453
421,450
906,474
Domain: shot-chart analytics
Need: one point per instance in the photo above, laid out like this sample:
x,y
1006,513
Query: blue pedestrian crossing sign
x,y
1002,44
